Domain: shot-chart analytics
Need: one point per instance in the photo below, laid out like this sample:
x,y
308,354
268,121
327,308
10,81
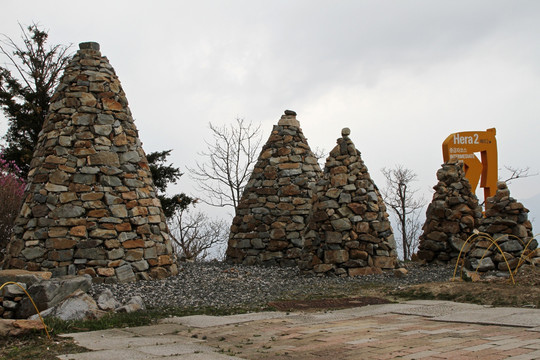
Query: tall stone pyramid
x,y
451,217
91,206
274,209
349,232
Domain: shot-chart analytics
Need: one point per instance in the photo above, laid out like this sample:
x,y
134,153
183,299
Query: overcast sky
x,y
402,75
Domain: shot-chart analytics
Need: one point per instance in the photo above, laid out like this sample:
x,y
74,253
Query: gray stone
x,y
119,211
92,254
130,156
104,158
140,265
51,292
68,211
82,119
483,265
107,302
115,254
78,306
341,224
104,130
13,290
511,246
35,252
136,303
125,274
110,180
9,304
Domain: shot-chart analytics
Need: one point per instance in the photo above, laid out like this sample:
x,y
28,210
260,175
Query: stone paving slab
x,y
411,330
437,308
201,321
496,316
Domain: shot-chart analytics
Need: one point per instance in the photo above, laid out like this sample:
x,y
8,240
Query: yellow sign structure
x,y
463,146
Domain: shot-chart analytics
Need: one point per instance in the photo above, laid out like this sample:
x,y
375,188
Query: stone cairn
x,y
91,206
276,203
506,221
349,232
451,216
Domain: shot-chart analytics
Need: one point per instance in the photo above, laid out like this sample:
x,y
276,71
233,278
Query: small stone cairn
x,y
349,232
274,209
91,206
506,221
451,216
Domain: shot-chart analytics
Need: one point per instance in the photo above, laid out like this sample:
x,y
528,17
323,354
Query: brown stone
x,y
92,196
290,190
111,104
335,256
10,327
286,166
158,273
131,244
384,262
164,260
401,272
358,254
106,272
277,245
339,180
123,227
79,231
320,268
357,208
104,158
87,271
61,243
98,213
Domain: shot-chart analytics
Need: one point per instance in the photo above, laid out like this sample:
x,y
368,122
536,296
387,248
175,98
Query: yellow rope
x,y
33,303
494,242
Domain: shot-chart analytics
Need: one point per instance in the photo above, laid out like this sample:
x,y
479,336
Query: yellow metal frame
x,y
494,242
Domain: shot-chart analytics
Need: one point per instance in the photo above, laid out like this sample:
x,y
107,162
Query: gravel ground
x,y
224,285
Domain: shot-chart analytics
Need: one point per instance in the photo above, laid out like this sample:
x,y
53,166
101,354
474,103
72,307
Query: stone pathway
x,y
411,330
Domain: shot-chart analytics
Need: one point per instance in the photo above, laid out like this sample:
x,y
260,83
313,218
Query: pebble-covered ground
x,y
224,285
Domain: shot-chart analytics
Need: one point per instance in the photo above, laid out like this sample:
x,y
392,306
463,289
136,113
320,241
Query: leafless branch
x,y
400,198
194,234
518,173
228,162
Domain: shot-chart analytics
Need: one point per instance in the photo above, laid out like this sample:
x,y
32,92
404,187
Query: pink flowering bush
x,y
11,195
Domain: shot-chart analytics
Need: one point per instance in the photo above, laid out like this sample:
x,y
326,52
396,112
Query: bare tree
x,y
229,159
194,234
400,197
518,173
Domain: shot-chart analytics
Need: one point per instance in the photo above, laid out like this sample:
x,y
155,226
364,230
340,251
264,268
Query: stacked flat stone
x,y
91,206
451,216
506,221
276,203
349,232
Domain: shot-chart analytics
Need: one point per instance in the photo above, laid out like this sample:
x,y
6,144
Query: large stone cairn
x,y
276,203
506,221
349,232
91,206
451,216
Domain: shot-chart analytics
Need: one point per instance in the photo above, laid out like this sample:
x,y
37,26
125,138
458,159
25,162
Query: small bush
x,y
11,195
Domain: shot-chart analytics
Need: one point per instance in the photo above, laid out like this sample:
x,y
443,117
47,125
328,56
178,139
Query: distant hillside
x,y
533,204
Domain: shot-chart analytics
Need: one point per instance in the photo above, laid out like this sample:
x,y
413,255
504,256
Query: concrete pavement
x,y
409,330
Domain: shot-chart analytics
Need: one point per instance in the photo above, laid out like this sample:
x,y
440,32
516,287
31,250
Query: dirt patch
x,y
342,303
